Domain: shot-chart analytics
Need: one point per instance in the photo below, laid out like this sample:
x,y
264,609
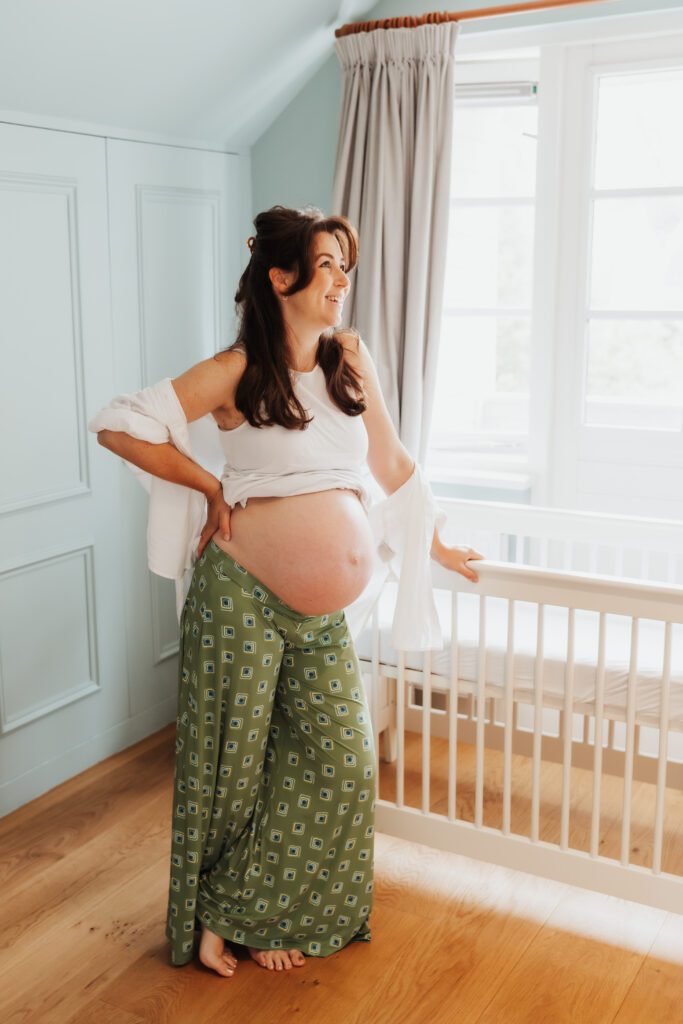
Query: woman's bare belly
x,y
314,551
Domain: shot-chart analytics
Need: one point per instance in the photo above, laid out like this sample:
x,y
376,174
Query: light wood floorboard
x,y
85,872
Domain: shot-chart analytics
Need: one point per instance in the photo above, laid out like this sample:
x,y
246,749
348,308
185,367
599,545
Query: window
x,y
617,416
560,367
634,320
481,401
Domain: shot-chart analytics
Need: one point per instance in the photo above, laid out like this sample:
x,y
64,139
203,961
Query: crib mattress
x,y
586,625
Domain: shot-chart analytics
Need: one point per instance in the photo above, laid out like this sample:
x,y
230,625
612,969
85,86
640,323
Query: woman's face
x,y
320,302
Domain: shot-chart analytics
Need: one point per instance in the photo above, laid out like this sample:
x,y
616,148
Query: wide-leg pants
x,y
274,788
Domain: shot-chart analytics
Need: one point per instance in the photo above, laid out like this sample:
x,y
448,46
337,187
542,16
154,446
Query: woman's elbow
x,y
392,474
107,438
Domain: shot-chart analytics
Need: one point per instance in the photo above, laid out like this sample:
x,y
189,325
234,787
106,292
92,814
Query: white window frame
x,y
478,463
575,443
562,49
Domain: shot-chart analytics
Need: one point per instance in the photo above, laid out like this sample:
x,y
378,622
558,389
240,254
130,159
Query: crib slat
x,y
538,724
509,725
543,555
400,728
426,726
663,751
630,731
568,560
597,749
481,686
453,711
593,556
567,723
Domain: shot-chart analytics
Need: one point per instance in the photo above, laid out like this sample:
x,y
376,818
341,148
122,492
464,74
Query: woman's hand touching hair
x,y
218,518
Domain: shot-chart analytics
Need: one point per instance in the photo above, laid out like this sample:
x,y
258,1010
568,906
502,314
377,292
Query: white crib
x,y
569,650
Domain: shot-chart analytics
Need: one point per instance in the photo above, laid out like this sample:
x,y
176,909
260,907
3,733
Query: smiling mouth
x,y
337,301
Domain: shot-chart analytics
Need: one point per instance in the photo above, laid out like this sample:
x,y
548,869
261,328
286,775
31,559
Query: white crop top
x,y
273,461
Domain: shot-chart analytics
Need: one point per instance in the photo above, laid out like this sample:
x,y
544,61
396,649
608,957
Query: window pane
x,y
513,355
490,257
483,376
494,150
638,253
634,374
639,139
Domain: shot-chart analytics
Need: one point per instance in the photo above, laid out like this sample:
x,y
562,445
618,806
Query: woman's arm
x,y
162,460
388,459
204,388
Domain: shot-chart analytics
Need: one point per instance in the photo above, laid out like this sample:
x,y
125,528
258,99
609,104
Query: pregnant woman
x,y
272,839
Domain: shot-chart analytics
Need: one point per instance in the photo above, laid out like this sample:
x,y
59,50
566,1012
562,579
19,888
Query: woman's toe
x,y
297,958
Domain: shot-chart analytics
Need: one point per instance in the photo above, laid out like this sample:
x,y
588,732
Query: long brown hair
x,y
264,395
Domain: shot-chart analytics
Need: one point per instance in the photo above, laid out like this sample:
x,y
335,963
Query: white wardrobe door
x,y
174,273
63,685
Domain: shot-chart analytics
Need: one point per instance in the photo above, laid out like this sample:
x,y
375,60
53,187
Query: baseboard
x,y
46,776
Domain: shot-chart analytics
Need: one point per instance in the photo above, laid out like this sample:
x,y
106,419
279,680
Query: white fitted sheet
x,y
617,653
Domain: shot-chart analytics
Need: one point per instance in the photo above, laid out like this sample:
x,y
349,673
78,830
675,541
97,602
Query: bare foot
x,y
215,954
278,959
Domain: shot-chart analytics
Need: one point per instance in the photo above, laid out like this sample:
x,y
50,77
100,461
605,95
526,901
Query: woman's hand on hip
x,y
217,519
455,558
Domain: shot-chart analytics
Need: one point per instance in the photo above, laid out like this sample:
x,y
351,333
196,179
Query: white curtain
x,y
392,180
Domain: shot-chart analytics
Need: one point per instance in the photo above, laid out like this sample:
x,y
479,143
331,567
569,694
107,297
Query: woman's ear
x,y
279,280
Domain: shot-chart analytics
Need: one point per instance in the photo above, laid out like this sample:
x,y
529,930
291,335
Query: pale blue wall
x,y
293,162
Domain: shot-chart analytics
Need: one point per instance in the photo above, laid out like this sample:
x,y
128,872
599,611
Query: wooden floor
x,y
85,873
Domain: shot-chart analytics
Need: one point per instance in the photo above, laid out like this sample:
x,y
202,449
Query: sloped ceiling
x,y
208,70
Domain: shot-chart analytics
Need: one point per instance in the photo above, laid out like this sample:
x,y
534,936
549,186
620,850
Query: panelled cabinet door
x,y
63,684
174,273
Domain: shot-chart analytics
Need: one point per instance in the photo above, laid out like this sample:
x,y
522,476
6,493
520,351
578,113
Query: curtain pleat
x,y
392,180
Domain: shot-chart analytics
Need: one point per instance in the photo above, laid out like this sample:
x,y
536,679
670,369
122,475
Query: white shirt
x,y
275,462
402,524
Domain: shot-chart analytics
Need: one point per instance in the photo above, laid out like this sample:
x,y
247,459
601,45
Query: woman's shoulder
x,y
354,350
211,384
352,347
349,339
232,362
228,354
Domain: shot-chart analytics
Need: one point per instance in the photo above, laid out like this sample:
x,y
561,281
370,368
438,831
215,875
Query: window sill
x,y
467,476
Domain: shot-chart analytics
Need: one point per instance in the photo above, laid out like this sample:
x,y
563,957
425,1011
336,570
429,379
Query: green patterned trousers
x,y
274,788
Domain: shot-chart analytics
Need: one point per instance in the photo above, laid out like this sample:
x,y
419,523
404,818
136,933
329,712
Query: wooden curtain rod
x,y
437,16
